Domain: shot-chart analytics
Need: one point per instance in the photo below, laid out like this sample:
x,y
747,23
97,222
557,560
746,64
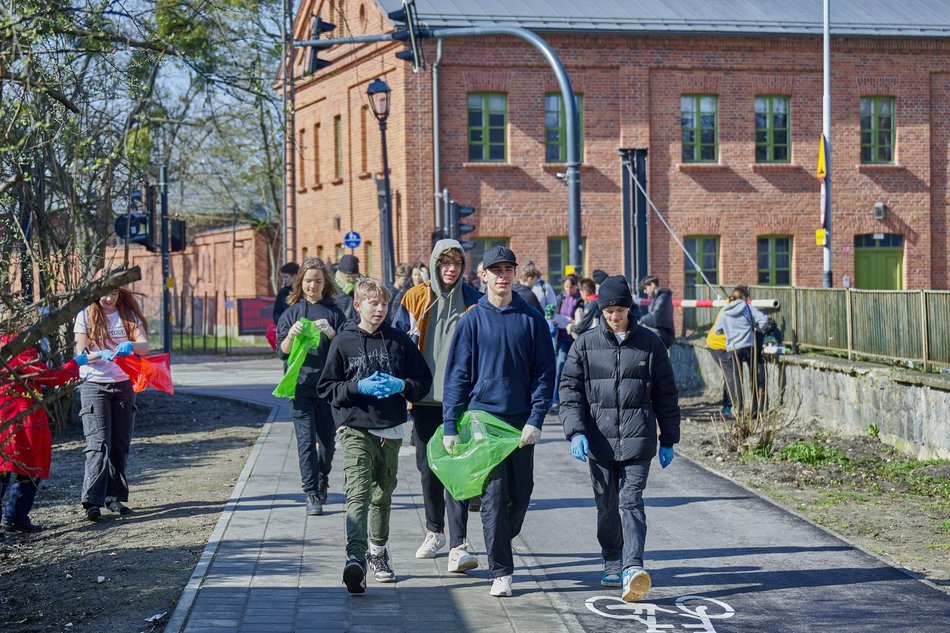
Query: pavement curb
x,y
188,595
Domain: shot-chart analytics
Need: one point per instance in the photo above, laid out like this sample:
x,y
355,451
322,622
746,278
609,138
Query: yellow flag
x,y
822,172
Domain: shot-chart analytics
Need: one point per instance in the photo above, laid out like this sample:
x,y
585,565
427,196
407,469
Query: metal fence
x,y
894,325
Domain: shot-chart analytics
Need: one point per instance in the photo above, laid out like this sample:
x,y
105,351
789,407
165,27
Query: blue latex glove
x,y
123,349
81,359
106,355
391,384
371,385
579,447
666,456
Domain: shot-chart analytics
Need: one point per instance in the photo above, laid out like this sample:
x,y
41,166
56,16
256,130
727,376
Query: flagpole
x,y
826,148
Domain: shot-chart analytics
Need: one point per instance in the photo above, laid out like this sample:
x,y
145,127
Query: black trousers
x,y
504,505
425,420
314,428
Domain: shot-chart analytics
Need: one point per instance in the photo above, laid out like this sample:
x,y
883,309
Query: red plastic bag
x,y
148,371
271,336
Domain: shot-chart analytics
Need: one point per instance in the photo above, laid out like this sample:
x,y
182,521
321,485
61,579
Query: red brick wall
x,y
631,87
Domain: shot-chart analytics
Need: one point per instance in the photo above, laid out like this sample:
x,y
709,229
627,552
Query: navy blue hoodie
x,y
501,361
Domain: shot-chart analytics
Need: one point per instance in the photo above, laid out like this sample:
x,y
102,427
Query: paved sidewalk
x,y
270,567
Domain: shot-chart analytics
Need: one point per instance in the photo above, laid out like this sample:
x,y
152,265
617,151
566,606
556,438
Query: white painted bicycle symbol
x,y
699,610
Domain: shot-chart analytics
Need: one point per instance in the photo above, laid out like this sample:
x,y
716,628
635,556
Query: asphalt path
x,y
722,558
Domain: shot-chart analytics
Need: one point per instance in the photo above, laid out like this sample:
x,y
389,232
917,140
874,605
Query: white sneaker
x,y
461,560
501,587
433,542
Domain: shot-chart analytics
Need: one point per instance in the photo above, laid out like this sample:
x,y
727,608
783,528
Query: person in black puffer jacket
x,y
659,315
617,386
311,297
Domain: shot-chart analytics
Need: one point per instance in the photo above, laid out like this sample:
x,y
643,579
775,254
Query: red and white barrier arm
x,y
716,303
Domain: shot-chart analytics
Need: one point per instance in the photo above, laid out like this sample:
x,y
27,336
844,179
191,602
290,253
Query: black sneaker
x,y
21,526
475,504
314,507
92,512
354,575
322,489
118,507
381,567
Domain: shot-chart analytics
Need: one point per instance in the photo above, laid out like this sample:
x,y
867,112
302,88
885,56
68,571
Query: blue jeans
x,y
621,518
20,491
561,348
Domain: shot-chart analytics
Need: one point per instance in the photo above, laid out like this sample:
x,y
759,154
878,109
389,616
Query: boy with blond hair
x,y
372,370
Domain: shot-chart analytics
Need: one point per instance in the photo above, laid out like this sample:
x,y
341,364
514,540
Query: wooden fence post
x,y
848,324
924,329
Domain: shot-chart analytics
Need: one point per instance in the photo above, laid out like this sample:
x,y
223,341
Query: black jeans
x,y
314,428
621,518
736,380
504,505
108,416
425,421
724,360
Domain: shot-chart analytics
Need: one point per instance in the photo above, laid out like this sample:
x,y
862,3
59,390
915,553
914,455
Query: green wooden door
x,y
879,268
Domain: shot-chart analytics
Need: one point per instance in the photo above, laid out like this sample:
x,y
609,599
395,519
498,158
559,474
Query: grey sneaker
x,y
314,507
381,567
611,575
354,575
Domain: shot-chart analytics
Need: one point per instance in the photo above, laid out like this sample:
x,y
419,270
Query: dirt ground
x,y
187,454
189,451
857,487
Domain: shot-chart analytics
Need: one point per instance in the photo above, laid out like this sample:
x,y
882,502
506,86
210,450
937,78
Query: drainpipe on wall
x,y
437,165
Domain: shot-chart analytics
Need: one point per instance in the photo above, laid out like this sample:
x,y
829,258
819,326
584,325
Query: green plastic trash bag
x,y
484,442
304,342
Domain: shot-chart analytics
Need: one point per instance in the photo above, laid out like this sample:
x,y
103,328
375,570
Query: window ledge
x,y
364,175
769,167
877,168
488,165
702,167
316,187
336,181
563,166
302,189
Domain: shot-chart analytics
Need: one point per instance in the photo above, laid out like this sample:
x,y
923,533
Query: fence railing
x,y
894,325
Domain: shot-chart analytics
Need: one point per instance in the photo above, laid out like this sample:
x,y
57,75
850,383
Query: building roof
x,y
864,18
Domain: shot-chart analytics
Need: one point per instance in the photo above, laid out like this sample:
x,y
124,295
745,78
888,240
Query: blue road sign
x,y
352,239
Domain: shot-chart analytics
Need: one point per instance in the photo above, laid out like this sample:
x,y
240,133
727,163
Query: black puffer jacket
x,y
617,394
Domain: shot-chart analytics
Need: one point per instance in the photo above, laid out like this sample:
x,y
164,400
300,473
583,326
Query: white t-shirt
x,y
101,370
621,336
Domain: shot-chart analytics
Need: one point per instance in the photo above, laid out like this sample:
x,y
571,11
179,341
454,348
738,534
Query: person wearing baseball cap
x,y
501,361
346,275
617,396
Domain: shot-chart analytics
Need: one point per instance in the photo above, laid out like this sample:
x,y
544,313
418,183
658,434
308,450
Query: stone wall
x,y
910,409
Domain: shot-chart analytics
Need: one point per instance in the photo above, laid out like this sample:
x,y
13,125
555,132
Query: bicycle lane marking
x,y
700,618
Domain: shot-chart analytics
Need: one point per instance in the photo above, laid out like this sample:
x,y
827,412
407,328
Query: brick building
x,y
727,105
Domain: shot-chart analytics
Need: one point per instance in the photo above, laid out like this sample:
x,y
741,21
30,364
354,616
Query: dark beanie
x,y
598,276
614,291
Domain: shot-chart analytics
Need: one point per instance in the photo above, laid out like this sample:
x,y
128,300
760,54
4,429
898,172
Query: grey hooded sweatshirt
x,y
738,322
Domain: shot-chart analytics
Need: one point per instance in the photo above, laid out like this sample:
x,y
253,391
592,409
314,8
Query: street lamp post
x,y
378,93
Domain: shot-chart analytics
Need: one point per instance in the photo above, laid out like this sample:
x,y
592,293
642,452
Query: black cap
x,y
614,291
349,264
598,276
499,255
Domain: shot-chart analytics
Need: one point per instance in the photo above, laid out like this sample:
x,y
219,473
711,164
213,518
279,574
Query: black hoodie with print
x,y
355,354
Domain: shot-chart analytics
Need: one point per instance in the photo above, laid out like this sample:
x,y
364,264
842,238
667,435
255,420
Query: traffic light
x,y
139,227
407,31
319,27
176,236
457,228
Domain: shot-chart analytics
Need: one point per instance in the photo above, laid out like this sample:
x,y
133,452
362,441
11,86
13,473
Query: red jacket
x,y
26,445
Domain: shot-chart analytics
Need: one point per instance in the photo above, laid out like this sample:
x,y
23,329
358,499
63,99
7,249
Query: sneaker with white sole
x,y
381,566
433,542
610,577
354,575
461,559
501,587
636,583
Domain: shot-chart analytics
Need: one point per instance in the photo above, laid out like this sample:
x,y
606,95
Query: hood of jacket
x,y
440,246
734,308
